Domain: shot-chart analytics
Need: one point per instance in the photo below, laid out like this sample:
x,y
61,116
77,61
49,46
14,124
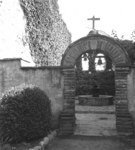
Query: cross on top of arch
x,y
93,21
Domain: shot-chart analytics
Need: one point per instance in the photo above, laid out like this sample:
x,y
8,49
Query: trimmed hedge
x,y
25,115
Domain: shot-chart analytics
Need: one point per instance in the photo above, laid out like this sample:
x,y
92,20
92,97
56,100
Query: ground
x,y
90,143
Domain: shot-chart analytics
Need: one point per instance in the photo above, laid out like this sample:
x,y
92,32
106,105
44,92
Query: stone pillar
x,y
67,116
124,121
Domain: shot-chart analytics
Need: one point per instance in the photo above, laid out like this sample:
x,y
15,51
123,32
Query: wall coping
x,y
33,67
42,67
11,59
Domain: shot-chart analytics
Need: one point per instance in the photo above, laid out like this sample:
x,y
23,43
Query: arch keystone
x,y
93,44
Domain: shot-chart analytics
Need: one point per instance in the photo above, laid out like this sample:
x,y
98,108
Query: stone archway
x,y
115,51
121,61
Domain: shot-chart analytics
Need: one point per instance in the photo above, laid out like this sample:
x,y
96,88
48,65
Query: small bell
x,y
99,61
85,57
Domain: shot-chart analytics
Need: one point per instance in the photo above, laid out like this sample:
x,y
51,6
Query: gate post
x,y
67,116
124,121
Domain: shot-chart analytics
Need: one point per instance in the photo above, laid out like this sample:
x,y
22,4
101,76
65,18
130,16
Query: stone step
x,y
94,109
94,112
94,117
93,132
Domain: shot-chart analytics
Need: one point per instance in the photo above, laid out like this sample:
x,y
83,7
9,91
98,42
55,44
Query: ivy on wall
x,y
104,81
46,32
129,47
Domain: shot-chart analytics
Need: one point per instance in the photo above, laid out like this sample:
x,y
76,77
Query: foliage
x,y
92,81
25,115
86,82
47,34
128,45
133,36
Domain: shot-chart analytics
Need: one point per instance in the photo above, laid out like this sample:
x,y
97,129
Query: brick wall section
x,y
67,117
105,44
124,122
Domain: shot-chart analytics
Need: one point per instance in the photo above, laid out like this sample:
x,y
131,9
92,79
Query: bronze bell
x,y
99,61
85,57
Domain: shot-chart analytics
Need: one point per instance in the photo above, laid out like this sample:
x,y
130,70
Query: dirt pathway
x,y
89,143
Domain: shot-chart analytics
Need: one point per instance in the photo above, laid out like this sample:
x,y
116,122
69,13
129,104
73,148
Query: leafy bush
x,y
25,115
85,83
129,47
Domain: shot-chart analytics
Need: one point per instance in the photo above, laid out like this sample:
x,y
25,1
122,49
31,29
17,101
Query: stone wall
x,y
119,58
124,120
107,45
131,93
49,79
131,90
59,84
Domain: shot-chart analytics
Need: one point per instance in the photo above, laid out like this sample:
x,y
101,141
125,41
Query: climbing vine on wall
x,y
46,32
128,45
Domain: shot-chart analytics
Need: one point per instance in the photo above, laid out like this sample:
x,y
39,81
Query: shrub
x,y
25,115
129,47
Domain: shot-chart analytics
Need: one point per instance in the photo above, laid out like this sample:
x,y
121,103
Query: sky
x,y
116,15
12,29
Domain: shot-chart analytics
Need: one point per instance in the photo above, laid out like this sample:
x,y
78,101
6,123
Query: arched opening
x,y
94,94
94,69
103,58
98,61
